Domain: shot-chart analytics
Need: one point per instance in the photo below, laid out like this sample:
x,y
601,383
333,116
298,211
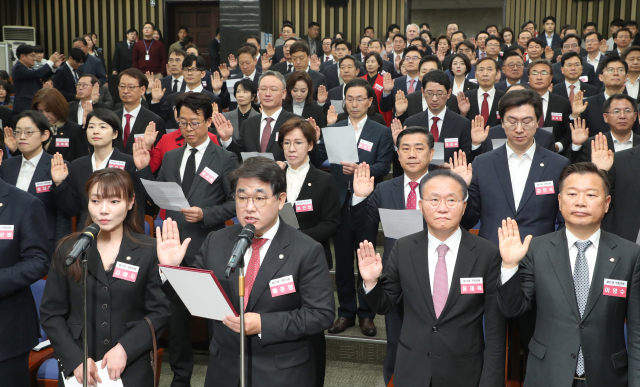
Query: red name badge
x,y
450,142
615,288
126,272
471,285
304,205
6,232
584,78
282,286
556,116
62,142
208,175
498,115
544,188
116,164
473,80
44,186
365,145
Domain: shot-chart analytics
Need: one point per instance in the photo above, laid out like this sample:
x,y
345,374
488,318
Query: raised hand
x,y
150,77
216,110
47,85
473,59
170,251
315,63
512,249
233,62
401,103
95,93
332,116
397,58
601,155
362,181
579,131
440,54
223,126
370,264
479,132
87,107
548,53
559,58
157,92
604,47
150,135
388,46
57,60
387,83
270,50
323,94
59,170
224,71
266,61
9,139
463,104
94,379
315,126
385,57
458,164
578,105
396,128
472,40
141,156
216,82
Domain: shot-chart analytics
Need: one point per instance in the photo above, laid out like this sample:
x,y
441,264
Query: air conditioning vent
x,y
19,33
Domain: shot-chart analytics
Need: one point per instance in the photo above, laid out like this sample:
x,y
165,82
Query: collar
x,y
302,170
530,152
453,242
441,115
134,112
274,115
606,96
634,83
196,90
509,83
173,79
250,76
329,56
70,68
271,233
360,124
628,141
407,180
34,160
417,79
492,92
202,147
577,85
595,238
545,96
104,162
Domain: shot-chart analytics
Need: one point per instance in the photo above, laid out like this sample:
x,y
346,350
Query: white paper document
x,y
288,215
103,373
548,129
200,292
438,154
338,105
498,142
166,195
340,143
248,155
42,345
230,84
400,223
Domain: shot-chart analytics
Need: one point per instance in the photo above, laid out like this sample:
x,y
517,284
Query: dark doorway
x,y
200,17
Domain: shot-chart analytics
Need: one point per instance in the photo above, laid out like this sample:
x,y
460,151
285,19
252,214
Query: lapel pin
x,y
128,258
542,164
0,204
309,184
281,256
612,259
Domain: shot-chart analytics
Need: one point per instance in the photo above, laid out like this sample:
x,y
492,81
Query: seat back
x,y
37,289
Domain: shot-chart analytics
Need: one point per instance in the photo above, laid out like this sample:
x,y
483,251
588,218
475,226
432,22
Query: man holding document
x,y
279,327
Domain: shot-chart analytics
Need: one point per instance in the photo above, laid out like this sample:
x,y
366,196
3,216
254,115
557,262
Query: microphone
x,y
82,244
243,243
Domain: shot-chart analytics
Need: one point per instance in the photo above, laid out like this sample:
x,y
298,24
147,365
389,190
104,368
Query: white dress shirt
x,y
199,154
295,179
102,165
268,235
567,86
545,104
407,190
198,89
456,89
73,73
250,76
632,87
492,94
595,63
81,113
440,121
134,113
620,146
519,171
591,253
179,85
358,130
327,56
27,169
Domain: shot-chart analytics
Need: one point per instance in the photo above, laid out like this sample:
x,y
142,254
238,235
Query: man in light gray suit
x,y
586,283
245,91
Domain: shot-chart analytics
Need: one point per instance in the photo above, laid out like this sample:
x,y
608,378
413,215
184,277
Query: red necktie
x,y
326,60
412,198
541,121
411,87
266,134
434,129
127,128
485,108
572,94
252,268
440,281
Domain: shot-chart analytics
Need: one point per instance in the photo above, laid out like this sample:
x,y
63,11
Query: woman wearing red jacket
x,y
373,65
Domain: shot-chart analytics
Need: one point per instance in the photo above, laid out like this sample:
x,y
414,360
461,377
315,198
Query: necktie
x,y
581,285
440,281
485,108
175,86
252,268
75,76
266,134
572,94
127,128
189,172
434,129
327,59
541,119
411,88
289,68
412,198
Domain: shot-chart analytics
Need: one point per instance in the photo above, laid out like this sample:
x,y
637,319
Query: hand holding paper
x,y
340,143
167,195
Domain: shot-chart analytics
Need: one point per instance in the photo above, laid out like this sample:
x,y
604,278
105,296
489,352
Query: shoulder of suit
x,y
147,242
485,247
624,244
553,158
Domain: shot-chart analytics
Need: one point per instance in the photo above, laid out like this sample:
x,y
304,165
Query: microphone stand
x,y
242,336
85,345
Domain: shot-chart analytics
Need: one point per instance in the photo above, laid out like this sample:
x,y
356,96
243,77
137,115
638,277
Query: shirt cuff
x,y
226,144
366,291
506,274
560,147
50,63
575,147
356,200
217,93
384,95
474,147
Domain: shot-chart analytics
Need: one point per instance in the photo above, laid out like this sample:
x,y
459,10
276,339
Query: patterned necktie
x,y
485,108
434,129
572,94
266,134
412,198
581,285
440,281
411,88
252,268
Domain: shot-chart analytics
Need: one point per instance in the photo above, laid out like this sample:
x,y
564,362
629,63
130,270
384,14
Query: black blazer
x,y
318,40
502,85
122,56
543,139
139,126
281,67
165,108
561,90
455,349
622,218
555,40
26,83
74,134
58,223
116,309
414,107
561,129
453,126
73,111
594,115
6,118
249,139
310,110
317,79
214,53
331,73
388,103
24,259
587,70
337,93
584,154
475,109
64,81
167,84
323,222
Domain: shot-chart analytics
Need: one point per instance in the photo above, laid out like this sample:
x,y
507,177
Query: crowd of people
x,y
527,138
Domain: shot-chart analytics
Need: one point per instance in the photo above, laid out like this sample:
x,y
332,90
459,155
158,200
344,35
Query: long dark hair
x,y
112,182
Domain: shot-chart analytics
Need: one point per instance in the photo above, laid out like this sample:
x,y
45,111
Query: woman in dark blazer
x,y
460,68
118,333
299,98
104,133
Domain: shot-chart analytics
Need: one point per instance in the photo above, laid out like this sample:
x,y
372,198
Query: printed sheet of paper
x,y
438,154
167,195
340,143
288,215
400,223
248,155
103,373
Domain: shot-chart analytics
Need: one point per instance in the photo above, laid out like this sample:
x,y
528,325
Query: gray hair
x,y
412,24
445,173
273,74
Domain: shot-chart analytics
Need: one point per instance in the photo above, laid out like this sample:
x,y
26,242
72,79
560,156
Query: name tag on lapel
x,y
584,78
304,205
544,188
116,164
44,186
62,142
471,285
6,232
498,115
126,272
365,145
556,116
614,288
208,175
450,142
282,286
138,135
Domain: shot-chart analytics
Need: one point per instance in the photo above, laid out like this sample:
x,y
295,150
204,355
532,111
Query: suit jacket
x,y
249,139
587,70
449,350
475,108
331,74
502,85
167,84
622,218
317,79
389,102
26,83
414,107
165,109
545,275
491,194
122,56
584,153
326,64
543,139
78,143
561,130
285,350
278,55
318,40
561,90
232,116
282,67
337,93
127,304
240,75
73,111
6,118
594,117
214,53
65,82
139,126
93,65
24,259
453,126
310,110
375,117
555,40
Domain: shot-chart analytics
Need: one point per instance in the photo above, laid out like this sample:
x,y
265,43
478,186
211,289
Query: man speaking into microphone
x,y
278,325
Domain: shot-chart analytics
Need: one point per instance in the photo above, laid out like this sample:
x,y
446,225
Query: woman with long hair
x,y
123,290
373,66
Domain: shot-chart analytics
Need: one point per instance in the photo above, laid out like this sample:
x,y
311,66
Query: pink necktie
x,y
266,134
412,198
572,94
440,281
411,87
252,269
541,121
485,108
127,129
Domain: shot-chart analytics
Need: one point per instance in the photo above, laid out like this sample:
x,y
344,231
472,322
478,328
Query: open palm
x,y
170,251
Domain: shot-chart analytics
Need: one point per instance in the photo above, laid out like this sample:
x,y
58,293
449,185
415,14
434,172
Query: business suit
x,y
232,116
555,40
502,85
388,102
166,108
93,65
214,53
279,54
24,259
282,67
167,84
122,56
331,72
543,139
73,112
26,83
310,110
318,42
65,82
587,70
116,309
560,89
545,274
454,349
317,79
6,118
622,218
77,138
561,130
145,116
475,108
336,94
375,117
594,115
584,153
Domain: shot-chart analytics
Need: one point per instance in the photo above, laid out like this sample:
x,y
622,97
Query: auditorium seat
x,y
36,359
149,225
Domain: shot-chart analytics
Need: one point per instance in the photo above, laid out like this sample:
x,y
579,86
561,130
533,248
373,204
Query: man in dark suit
x,y
26,82
592,42
174,82
24,259
285,66
327,50
375,149
86,93
247,63
299,52
331,70
259,134
447,280
571,43
632,85
513,68
579,340
214,51
407,83
543,138
67,77
202,169
123,54
313,39
348,68
571,67
549,38
91,65
278,328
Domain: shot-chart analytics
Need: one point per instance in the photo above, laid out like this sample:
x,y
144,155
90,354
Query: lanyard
x,y
145,45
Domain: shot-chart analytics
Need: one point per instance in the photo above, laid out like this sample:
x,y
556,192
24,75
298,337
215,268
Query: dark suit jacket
x,y
65,82
122,56
310,110
561,90
93,65
317,79
281,67
285,350
164,109
555,40
587,70
455,348
594,117
545,275
127,304
543,139
26,83
6,118
389,102
491,194
214,53
232,116
318,40
139,126
278,55
167,84
475,108
584,154
73,111
561,129
24,259
78,143
337,93
453,126
502,85
375,117
622,218
331,74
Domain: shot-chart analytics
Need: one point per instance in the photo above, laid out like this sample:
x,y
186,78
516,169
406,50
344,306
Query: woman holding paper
x,y
122,291
104,133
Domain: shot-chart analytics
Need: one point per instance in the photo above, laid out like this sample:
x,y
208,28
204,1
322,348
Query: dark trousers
x,y
393,325
14,372
579,383
180,350
346,243
319,346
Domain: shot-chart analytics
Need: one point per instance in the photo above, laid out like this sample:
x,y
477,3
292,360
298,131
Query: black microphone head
x,y
92,231
249,230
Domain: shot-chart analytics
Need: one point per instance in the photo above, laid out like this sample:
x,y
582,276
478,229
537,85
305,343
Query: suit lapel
x,y
206,160
398,193
4,195
284,115
559,258
138,127
43,167
12,172
366,135
635,139
465,261
609,138
494,106
603,269
94,264
501,165
420,259
538,167
308,186
127,254
474,102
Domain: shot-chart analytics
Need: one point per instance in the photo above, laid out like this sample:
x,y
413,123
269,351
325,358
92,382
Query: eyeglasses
x,y
515,66
190,70
543,73
296,144
185,124
19,133
575,45
435,202
411,58
83,85
573,65
258,201
128,87
358,100
440,94
526,124
617,112
611,70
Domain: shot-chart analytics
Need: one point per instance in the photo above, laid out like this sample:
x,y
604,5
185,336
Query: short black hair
x,y
514,47
509,54
487,59
111,119
290,26
519,98
412,48
348,57
444,173
376,40
624,29
467,43
77,55
589,24
377,57
25,49
465,59
620,96
540,61
392,27
313,24
299,46
521,31
130,30
189,59
246,84
480,33
464,36
401,36
425,25
493,37
599,35
422,40
368,28
568,56
414,130
537,41
337,42
552,18
430,58
263,169
79,39
359,82
604,62
450,23
523,85
628,51
38,119
149,23
528,22
617,23
632,23
92,77
179,52
183,28
570,36
197,103
584,168
38,49
489,26
255,37
437,76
